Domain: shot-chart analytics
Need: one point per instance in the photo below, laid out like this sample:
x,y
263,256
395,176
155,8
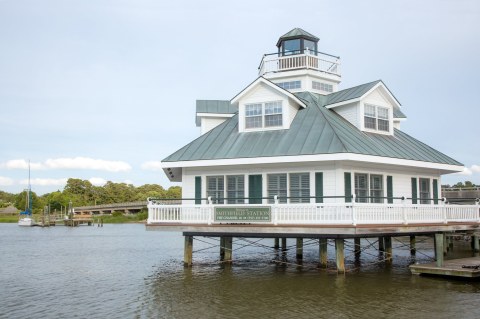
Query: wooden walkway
x,y
464,267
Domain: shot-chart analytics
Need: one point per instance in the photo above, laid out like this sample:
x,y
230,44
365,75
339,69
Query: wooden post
x,y
284,245
228,250
323,252
439,249
222,248
388,249
445,245
450,242
413,250
188,251
357,248
340,254
476,247
276,245
299,248
381,244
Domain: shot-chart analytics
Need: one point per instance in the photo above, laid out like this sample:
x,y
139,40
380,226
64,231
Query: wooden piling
x,y
439,249
188,251
413,250
388,249
284,245
445,245
323,246
299,248
340,254
357,247
276,244
476,247
381,244
228,250
222,248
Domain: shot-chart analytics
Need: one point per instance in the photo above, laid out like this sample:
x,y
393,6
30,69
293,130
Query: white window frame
x,y
378,119
263,114
322,86
368,191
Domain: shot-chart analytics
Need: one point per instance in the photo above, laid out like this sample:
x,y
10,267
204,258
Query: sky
x,y
103,90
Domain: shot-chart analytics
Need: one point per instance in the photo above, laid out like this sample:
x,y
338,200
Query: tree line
x,y
83,193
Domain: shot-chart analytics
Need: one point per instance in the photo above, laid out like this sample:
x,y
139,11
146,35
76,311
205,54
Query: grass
x,y
8,218
115,218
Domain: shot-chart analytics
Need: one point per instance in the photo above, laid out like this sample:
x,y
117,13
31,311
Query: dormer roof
x,y
220,107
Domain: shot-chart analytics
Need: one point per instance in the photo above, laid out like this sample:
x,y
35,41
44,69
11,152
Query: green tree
x,y
21,202
174,192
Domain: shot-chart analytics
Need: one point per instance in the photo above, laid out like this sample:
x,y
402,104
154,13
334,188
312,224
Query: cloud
x,y
5,181
45,181
466,171
152,166
97,181
70,163
475,168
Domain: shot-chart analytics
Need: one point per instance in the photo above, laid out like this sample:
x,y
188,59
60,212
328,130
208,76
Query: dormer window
x,y
376,118
264,115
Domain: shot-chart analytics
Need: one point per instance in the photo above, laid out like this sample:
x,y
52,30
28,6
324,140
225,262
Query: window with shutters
x,y
235,189
300,188
215,189
277,185
368,188
424,185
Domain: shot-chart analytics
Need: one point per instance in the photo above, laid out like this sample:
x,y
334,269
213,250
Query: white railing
x,y
309,60
325,214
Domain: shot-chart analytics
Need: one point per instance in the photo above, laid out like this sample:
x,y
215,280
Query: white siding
x,y
209,123
350,112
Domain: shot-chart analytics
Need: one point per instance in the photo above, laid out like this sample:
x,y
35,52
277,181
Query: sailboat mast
x,y
29,190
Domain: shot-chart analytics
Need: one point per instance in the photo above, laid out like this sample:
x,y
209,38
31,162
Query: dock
x,y
463,267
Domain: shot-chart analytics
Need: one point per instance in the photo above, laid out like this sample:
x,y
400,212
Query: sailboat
x,y
25,218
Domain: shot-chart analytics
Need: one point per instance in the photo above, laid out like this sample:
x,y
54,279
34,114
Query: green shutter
x,y
414,190
435,192
348,187
390,189
255,189
198,190
318,187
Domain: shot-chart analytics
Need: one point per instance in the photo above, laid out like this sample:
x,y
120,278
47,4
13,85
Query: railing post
x,y
445,221
210,205
275,210
477,203
404,210
354,218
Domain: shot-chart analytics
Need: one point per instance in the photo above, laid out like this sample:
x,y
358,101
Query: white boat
x,y
25,218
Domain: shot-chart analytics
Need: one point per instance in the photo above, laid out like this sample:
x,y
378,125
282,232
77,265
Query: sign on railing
x,y
243,214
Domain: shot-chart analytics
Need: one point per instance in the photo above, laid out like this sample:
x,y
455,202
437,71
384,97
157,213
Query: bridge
x,y
127,208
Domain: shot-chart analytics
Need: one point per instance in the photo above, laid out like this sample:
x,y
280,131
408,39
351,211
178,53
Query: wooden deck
x,y
464,267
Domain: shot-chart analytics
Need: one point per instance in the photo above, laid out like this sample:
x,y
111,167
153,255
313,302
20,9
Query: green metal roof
x,y
314,130
213,106
297,33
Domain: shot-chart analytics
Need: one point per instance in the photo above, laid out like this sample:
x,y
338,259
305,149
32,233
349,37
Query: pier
x,y
323,222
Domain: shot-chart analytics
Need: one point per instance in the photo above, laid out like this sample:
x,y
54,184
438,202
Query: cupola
x,y
298,65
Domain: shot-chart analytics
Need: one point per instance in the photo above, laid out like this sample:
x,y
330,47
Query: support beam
x,y
388,249
340,254
188,251
439,249
228,250
323,246
299,248
276,244
476,247
222,248
413,250
381,244
357,248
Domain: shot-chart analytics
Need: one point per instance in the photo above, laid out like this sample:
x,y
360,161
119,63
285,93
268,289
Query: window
x,y
290,85
215,188
235,189
376,118
368,188
277,185
253,115
424,184
310,45
376,188
300,188
273,114
322,86
291,47
269,114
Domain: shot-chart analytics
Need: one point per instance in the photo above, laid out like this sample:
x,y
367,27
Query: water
x,y
124,271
